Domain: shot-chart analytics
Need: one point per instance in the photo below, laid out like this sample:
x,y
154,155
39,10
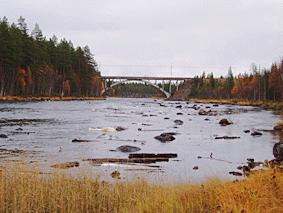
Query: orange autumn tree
x,y
67,88
21,82
275,82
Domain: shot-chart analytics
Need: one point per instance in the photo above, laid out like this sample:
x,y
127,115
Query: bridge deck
x,y
145,78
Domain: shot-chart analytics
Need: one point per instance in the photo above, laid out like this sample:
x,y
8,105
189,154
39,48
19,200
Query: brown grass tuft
x,y
34,192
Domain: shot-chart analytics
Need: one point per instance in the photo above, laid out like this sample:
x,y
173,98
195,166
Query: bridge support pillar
x,y
170,87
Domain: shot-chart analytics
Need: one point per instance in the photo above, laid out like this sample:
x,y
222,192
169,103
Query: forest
x,y
32,65
139,90
260,84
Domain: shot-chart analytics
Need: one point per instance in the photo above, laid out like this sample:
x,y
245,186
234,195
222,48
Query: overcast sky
x,y
144,37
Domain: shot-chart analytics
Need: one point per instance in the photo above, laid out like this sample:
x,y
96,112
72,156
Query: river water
x,y
49,141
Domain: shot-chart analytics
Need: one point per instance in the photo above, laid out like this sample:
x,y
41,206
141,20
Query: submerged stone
x,y
126,148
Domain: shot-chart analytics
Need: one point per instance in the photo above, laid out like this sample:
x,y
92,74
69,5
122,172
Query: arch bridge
x,y
152,81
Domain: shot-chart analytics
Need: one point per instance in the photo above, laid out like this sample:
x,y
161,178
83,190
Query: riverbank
x,y
46,98
35,192
274,105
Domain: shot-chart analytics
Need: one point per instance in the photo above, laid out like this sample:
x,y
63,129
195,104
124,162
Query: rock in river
x,y
3,136
255,133
80,140
227,137
119,128
278,151
224,122
165,137
126,148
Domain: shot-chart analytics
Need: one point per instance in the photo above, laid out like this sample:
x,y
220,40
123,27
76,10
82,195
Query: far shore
x,y
47,98
273,105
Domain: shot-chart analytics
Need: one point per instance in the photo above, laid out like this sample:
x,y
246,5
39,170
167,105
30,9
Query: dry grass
x,y
274,105
46,98
32,192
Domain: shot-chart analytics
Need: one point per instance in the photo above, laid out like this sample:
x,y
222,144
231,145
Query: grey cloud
x,y
195,36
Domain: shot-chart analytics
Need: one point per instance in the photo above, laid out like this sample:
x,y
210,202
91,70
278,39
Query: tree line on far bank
x,y
31,64
261,84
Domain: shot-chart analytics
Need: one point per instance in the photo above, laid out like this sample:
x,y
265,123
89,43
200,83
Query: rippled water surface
x,y
143,119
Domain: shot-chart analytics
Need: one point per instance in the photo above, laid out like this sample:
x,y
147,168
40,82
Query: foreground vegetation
x,y
34,192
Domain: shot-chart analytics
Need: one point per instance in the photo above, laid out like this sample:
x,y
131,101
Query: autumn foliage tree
x,y
261,84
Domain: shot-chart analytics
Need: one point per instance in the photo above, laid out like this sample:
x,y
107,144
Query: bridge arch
x,y
147,82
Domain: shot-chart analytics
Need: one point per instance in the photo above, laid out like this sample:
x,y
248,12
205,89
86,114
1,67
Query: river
x,y
48,140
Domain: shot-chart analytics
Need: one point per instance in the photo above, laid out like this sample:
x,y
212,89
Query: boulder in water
x,y
224,122
165,137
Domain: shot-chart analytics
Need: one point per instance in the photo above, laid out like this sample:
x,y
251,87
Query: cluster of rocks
x,y
252,164
137,158
66,165
207,113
